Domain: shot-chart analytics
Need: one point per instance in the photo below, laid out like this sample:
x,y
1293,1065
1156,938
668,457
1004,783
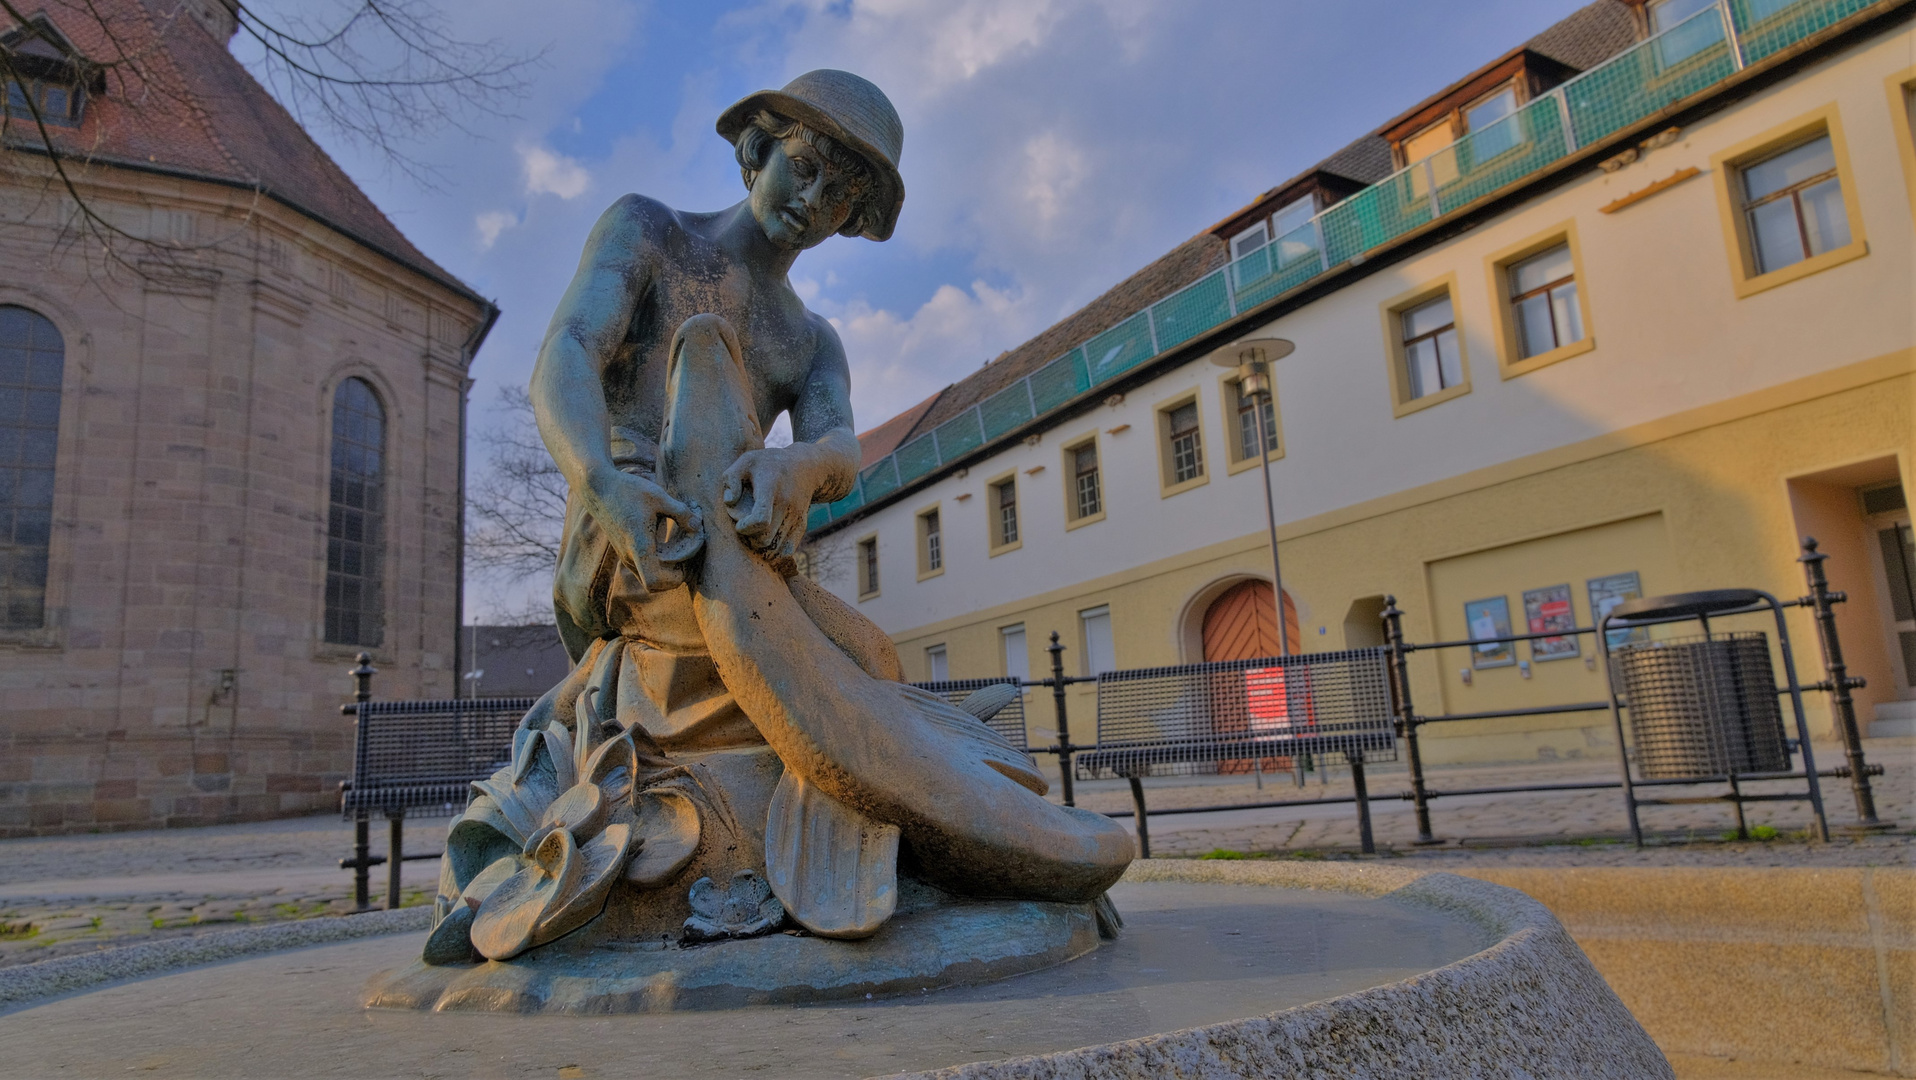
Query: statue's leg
x,y
956,791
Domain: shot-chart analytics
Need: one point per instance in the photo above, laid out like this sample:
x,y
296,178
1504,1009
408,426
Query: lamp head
x,y
1252,358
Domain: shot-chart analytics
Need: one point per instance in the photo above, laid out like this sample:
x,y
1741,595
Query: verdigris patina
x,y
735,751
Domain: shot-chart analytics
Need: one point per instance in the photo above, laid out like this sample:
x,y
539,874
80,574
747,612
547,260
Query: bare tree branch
x,y
381,74
516,506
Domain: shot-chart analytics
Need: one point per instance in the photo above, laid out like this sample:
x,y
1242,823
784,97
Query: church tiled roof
x,y
199,113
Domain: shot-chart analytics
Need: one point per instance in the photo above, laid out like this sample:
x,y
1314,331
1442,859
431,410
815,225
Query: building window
x,y
1433,360
1087,485
1484,122
1787,200
1424,346
1544,313
1183,445
1793,203
59,102
868,567
32,360
355,522
1543,294
1246,411
1017,661
1003,508
937,664
1251,239
931,544
1666,14
1100,651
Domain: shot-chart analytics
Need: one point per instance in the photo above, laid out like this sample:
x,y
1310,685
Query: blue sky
x,y
1052,147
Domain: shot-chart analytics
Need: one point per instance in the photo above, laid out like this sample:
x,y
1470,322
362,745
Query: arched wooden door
x,y
1242,625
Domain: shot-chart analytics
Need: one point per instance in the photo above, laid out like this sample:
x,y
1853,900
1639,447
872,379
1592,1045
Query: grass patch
x,y
1223,853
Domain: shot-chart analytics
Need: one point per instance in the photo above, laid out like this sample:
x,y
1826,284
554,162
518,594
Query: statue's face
x,y
799,198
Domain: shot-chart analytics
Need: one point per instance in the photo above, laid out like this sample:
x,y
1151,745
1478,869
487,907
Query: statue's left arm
x,y
820,465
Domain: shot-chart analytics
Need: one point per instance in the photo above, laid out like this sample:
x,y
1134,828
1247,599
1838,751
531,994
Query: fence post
x,y
1407,716
1064,721
1364,841
1836,672
1730,34
362,840
395,845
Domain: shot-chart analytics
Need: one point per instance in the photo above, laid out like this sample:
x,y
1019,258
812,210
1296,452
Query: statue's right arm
x,y
568,392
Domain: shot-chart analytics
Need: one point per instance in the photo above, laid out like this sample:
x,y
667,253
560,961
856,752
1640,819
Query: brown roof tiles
x,y
198,112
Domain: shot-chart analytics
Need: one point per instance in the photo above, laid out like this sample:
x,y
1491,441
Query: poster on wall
x,y
1489,619
1545,610
1606,593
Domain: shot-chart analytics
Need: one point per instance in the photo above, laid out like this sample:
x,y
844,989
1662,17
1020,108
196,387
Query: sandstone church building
x,y
229,461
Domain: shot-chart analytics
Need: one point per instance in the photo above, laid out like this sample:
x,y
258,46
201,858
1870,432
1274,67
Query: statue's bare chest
x,y
774,333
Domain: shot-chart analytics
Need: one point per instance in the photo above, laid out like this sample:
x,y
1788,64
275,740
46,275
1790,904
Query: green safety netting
x,y
1766,27
1658,73
1483,161
1059,381
959,435
1297,260
916,458
1192,310
1120,348
1376,215
1622,91
879,480
1007,410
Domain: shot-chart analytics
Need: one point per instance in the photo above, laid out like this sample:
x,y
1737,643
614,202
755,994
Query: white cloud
x,y
491,223
549,173
1057,169
898,361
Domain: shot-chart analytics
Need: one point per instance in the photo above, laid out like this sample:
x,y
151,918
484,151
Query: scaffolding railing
x,y
1626,89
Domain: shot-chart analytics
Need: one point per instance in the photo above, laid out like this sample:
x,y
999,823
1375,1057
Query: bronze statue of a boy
x,y
735,746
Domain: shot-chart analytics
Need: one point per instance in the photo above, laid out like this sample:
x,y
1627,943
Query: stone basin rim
x,y
1530,1004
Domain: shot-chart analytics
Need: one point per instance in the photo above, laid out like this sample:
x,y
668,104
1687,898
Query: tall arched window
x,y
355,523
31,358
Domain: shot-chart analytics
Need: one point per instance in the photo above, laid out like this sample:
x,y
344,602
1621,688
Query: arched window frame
x,y
356,556
29,480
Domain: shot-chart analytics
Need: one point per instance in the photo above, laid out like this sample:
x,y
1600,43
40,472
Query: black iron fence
x,y
1702,710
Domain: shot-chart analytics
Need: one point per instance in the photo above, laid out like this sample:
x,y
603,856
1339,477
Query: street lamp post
x,y
1252,359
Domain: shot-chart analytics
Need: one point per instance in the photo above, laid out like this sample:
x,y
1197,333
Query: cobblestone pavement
x,y
65,894
61,895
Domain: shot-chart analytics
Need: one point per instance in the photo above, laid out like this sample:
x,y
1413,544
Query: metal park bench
x,y
424,755
416,755
1225,717
1009,721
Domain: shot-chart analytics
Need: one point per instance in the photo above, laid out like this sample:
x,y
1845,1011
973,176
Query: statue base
x,y
939,946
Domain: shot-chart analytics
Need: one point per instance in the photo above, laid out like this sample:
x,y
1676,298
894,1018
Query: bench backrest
x,y
416,755
1196,718
1010,721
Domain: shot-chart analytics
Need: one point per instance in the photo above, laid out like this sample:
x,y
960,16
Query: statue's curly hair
x,y
755,141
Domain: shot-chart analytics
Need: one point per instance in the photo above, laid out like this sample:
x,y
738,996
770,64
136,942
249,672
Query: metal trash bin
x,y
1703,706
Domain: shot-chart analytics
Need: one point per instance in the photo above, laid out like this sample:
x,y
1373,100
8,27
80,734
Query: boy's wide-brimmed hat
x,y
849,109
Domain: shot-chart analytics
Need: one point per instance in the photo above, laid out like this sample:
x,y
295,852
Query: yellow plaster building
x,y
1647,361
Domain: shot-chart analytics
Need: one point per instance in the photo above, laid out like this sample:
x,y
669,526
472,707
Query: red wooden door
x,y
1242,625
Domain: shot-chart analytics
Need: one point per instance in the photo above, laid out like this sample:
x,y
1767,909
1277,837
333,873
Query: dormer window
x,y
45,76
1249,240
58,102
1482,107
1288,219
1482,119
